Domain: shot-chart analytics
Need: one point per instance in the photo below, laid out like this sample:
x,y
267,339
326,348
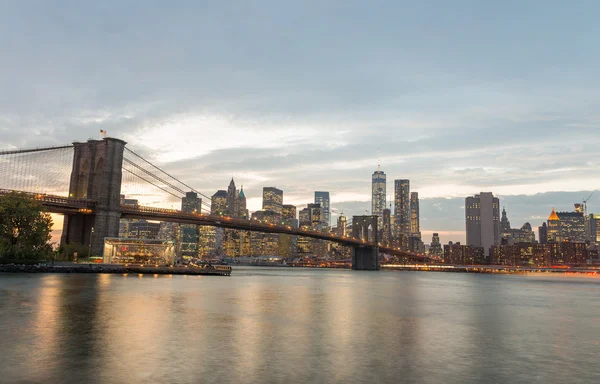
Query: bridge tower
x,y
96,175
365,256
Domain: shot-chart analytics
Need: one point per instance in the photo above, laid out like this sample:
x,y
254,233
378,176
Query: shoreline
x,y
115,269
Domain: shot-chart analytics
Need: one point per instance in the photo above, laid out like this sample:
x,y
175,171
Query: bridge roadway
x,y
66,205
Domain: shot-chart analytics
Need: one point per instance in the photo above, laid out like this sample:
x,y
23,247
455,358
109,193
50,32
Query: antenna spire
x,y
378,160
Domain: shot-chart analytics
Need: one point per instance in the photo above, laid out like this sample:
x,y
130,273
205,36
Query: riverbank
x,y
115,269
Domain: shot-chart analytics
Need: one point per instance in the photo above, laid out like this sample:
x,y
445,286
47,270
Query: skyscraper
x,y
402,212
553,227
543,233
378,185
231,200
482,216
386,230
435,248
272,200
218,203
241,205
415,229
190,234
322,198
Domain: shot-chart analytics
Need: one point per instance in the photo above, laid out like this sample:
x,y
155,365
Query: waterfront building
x,y
191,203
207,243
378,194
482,217
435,248
272,200
402,212
572,226
458,254
322,198
543,255
593,223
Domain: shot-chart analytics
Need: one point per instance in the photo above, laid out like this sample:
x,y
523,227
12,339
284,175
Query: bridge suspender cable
x,y
171,176
149,182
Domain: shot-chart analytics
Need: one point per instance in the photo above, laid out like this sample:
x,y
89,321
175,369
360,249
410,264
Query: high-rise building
x,y
231,200
378,194
435,248
386,230
415,229
322,198
190,236
288,212
593,228
316,216
341,225
218,203
504,223
572,226
402,212
543,233
553,227
242,210
482,217
272,200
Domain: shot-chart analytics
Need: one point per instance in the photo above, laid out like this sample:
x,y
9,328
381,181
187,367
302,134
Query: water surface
x,y
274,325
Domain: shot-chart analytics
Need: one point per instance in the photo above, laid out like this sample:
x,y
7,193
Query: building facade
x,y
272,200
378,194
322,198
402,212
482,217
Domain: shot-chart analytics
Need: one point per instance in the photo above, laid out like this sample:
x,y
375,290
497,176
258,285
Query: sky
x,y
459,97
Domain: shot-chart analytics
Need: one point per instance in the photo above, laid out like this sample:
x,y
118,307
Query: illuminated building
x,y
455,253
378,194
272,200
316,216
542,255
513,235
322,198
553,227
342,222
231,203
242,210
265,244
138,251
288,243
594,228
482,217
415,229
207,243
435,248
218,203
572,226
191,203
402,212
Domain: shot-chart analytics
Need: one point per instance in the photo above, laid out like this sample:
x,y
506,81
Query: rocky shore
x,y
112,268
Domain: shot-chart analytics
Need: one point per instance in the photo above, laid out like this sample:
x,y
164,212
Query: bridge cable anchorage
x,y
171,176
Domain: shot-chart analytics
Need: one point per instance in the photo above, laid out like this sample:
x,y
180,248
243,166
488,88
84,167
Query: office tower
x,y
415,229
482,216
402,212
242,210
218,203
231,200
316,215
322,198
341,225
288,243
435,248
543,233
572,226
378,188
272,200
191,203
386,230
593,223
553,227
504,223
288,212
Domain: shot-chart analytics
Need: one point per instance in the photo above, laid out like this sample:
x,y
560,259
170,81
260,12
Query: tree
x,y
24,228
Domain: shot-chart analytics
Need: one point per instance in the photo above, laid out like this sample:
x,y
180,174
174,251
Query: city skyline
x,y
443,105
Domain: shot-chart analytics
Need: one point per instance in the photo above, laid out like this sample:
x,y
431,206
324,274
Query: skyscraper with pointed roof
x,y
554,227
378,187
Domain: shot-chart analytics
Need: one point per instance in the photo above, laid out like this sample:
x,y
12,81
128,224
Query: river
x,y
294,325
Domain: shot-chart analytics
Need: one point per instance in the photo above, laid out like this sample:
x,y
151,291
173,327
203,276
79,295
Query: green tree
x,y
24,228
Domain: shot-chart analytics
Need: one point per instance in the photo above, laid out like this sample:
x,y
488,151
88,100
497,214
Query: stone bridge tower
x,y
96,175
366,256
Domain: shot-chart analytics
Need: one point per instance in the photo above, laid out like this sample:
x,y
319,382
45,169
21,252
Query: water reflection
x,y
298,326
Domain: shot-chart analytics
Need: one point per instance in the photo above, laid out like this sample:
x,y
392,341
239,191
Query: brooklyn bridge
x,y
84,182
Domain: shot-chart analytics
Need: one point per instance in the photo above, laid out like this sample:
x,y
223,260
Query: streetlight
x,y
90,248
